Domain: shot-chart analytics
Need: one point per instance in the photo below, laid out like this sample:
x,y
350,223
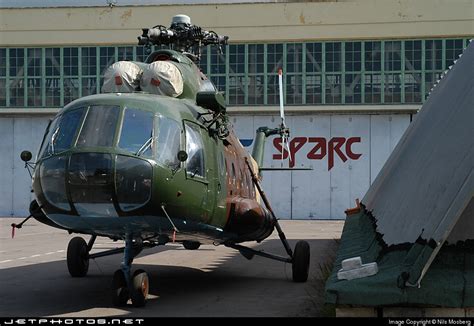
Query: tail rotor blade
x,y
284,132
280,86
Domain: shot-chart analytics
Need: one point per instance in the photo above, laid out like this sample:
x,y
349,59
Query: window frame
x,y
197,127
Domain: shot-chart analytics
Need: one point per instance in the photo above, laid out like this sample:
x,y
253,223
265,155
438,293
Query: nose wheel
x,y
126,286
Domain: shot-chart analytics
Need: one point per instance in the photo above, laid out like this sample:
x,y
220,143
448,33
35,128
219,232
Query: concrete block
x,y
353,268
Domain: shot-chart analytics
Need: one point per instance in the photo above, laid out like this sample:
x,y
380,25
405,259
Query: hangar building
x,y
356,72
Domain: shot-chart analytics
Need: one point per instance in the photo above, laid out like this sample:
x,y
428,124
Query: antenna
x,y
284,131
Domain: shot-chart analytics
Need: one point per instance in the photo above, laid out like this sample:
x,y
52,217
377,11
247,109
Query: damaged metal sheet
x,y
428,181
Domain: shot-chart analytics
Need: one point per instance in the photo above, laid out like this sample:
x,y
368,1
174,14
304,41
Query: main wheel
x,y
120,293
77,257
140,288
300,264
191,245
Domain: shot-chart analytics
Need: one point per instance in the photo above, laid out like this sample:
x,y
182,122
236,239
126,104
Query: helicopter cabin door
x,y
199,173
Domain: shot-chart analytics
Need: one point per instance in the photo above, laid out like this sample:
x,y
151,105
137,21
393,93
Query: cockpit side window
x,y
137,135
169,142
62,132
99,127
195,149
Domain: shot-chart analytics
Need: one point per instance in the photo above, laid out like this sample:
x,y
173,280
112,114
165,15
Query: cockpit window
x,y
195,150
61,132
137,135
99,126
169,141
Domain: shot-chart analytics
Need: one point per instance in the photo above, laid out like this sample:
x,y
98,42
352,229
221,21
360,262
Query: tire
x,y
140,288
120,293
300,264
191,245
77,257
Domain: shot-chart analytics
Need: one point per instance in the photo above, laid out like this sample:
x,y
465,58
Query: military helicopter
x,y
153,160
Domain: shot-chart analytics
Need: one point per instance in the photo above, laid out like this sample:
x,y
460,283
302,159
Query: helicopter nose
x,y
102,184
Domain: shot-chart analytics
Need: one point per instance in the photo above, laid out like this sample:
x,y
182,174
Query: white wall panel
x,y
6,166
22,139
345,153
27,135
17,134
386,131
311,189
350,177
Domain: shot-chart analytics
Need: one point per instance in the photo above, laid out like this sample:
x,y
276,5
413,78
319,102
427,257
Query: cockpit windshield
x,y
142,132
137,132
153,136
99,127
61,133
169,141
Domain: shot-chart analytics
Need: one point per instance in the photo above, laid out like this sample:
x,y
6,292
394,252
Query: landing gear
x,y
140,288
191,245
124,285
299,259
120,293
77,257
300,262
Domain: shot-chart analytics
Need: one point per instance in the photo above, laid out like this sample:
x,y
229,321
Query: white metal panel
x,y
358,146
245,130
311,189
6,166
429,176
398,124
380,143
350,179
325,191
27,135
22,138
385,132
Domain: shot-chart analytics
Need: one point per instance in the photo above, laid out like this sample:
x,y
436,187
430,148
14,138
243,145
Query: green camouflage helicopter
x,y
153,160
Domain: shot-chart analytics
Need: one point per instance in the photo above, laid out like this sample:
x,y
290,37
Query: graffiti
x,y
336,146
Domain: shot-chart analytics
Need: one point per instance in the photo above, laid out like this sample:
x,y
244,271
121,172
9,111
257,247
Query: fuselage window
x,y
99,127
137,135
233,174
221,164
169,142
195,149
61,133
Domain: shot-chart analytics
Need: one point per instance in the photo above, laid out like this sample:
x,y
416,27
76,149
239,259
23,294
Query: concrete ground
x,y
211,281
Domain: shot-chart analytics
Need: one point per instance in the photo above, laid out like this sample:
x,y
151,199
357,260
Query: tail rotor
x,y
284,131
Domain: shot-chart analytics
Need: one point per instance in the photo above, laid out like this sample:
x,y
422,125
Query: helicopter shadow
x,y
227,285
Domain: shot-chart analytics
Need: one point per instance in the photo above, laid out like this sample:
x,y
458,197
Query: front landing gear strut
x,y
125,285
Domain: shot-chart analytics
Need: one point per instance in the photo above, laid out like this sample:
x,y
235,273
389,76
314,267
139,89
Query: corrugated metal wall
x,y
322,193
357,146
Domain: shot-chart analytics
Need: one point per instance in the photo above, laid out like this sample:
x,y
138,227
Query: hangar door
x,y
345,153
17,134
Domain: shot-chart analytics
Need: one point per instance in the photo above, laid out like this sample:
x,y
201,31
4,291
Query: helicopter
x,y
154,160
